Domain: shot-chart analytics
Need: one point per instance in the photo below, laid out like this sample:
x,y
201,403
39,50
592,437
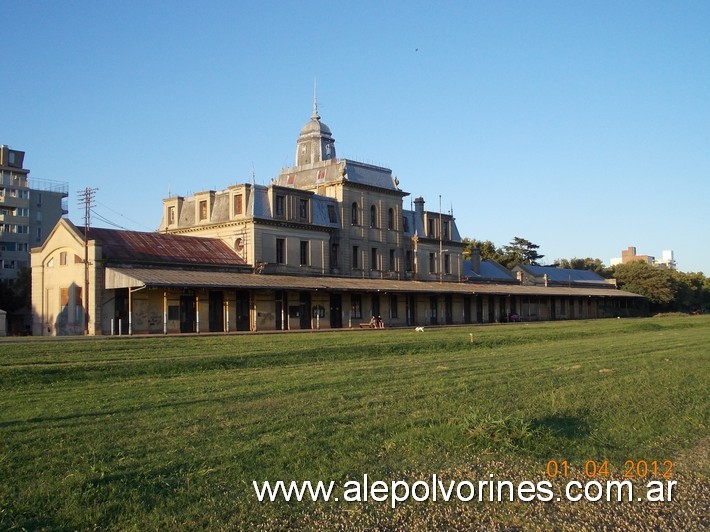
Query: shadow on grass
x,y
569,427
568,435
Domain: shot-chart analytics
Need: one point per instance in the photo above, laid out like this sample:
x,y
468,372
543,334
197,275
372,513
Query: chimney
x,y
419,205
476,260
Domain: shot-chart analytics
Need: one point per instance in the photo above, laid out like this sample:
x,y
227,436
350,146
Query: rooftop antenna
x,y
253,175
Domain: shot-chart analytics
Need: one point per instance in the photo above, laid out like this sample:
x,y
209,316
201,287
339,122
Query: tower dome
x,y
315,143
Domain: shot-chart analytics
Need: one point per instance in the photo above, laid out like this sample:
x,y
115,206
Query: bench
x,y
366,326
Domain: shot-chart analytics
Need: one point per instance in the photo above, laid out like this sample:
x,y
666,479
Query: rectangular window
x,y
432,263
303,209
445,229
237,204
392,260
355,306
64,297
373,259
280,251
171,215
408,260
63,258
430,234
332,218
356,260
304,253
393,307
279,205
447,263
78,305
203,210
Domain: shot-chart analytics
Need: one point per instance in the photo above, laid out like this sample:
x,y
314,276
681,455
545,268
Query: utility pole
x,y
86,200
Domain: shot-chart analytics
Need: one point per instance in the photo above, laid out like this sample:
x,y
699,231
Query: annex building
x,y
327,244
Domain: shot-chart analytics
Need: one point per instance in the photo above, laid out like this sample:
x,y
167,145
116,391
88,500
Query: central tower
x,y
315,143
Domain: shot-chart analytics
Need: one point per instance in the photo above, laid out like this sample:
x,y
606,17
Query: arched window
x,y
390,218
355,213
373,216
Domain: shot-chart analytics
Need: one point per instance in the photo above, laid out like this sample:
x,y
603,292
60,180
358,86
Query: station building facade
x,y
327,244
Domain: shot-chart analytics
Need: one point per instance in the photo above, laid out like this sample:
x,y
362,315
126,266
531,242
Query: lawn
x,y
169,433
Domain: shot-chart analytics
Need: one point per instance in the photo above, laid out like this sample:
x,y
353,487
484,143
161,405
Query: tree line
x,y
666,290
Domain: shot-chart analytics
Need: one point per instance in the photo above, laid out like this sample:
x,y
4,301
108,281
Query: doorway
x,y
241,310
336,311
216,311
188,314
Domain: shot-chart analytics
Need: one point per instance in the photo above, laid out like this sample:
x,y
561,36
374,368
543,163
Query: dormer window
x,y
303,209
238,204
279,202
171,215
203,210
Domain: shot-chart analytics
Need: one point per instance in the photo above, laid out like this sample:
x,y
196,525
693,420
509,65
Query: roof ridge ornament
x,y
315,115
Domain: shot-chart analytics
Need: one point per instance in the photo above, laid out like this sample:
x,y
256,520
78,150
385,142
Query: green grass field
x,y
169,433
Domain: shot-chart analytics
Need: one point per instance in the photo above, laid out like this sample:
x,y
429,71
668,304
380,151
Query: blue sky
x,y
581,126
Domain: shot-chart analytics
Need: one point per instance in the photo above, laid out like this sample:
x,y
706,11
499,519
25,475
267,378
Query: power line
x,y
107,221
123,216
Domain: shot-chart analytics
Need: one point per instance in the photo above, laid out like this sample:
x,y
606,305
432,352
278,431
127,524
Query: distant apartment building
x,y
29,209
629,255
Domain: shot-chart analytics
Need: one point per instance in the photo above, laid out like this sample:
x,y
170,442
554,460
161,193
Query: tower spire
x,y
315,115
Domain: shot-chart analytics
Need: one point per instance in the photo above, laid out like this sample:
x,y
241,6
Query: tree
x,y
487,249
520,251
641,278
692,291
16,296
16,299
588,263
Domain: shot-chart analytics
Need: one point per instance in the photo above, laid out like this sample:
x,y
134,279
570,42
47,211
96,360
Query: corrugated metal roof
x,y
133,277
160,247
488,270
563,275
